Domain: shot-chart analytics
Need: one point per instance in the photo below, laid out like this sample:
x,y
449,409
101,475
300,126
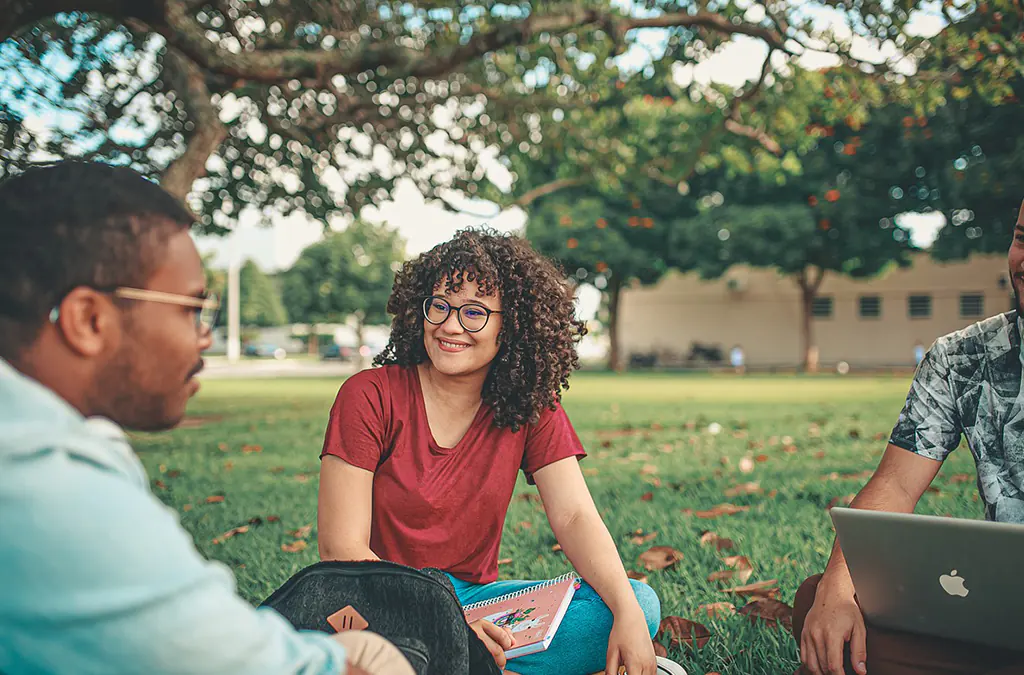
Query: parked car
x,y
335,352
265,351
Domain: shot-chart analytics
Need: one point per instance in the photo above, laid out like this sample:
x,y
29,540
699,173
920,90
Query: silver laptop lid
x,y
947,577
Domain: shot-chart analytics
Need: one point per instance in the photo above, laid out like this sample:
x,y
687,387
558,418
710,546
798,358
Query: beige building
x,y
867,323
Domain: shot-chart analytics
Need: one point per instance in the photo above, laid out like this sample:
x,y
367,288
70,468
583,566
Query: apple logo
x,y
953,584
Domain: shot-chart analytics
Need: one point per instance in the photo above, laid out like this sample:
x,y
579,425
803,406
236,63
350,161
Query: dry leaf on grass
x,y
845,500
743,489
228,466
741,570
638,576
722,510
505,561
659,558
760,459
223,447
277,469
716,610
302,532
720,543
640,537
647,496
759,589
648,470
160,485
295,546
881,436
590,471
230,533
273,519
959,478
789,449
215,499
556,548
771,611
820,454
252,448
682,631
186,507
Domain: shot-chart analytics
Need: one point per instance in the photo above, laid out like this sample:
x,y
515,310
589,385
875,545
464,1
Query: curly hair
x,y
539,332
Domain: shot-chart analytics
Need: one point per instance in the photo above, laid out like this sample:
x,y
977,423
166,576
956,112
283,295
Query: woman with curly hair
x,y
421,455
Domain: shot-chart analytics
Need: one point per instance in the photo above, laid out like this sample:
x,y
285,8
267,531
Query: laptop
x,y
945,577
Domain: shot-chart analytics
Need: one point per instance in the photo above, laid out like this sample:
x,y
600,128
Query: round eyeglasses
x,y
472,316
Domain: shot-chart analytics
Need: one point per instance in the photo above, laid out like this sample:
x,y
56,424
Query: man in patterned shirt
x,y
968,384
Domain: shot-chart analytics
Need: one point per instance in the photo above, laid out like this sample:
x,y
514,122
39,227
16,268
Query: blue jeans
x,y
580,646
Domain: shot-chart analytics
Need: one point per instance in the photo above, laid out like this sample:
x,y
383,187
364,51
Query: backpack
x,y
417,610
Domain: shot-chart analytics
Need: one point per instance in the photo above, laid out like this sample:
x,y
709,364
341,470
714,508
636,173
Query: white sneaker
x,y
666,667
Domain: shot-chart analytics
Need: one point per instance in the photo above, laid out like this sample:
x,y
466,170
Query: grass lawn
x,y
653,465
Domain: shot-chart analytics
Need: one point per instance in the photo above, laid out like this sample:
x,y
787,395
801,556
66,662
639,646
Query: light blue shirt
x,y
96,574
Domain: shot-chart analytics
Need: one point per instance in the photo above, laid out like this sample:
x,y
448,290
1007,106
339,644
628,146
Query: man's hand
x,y
369,654
834,619
496,639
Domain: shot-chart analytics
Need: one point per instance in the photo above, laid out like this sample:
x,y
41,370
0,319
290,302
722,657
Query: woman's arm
x,y
590,548
582,534
344,508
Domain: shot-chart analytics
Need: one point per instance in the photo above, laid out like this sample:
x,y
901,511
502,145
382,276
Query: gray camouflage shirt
x,y
969,384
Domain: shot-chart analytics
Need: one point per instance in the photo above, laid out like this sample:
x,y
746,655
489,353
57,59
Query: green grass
x,y
626,423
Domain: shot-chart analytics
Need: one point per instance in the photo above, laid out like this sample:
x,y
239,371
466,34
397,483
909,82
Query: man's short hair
x,y
74,224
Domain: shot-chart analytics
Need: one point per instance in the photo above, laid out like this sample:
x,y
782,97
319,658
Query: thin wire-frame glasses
x,y
472,316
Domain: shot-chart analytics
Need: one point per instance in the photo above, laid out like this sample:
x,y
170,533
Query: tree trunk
x,y
809,284
615,361
360,341
190,84
313,345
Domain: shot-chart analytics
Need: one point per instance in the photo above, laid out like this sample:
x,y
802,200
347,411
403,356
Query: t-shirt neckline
x,y
421,403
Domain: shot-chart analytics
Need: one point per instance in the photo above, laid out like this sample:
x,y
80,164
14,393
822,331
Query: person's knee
x,y
649,603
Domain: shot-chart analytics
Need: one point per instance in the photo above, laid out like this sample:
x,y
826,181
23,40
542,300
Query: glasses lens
x,y
436,310
207,316
474,317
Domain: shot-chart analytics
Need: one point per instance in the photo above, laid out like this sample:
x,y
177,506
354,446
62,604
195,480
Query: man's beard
x,y
120,393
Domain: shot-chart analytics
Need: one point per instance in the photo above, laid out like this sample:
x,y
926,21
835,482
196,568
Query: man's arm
x,y
344,511
896,486
100,578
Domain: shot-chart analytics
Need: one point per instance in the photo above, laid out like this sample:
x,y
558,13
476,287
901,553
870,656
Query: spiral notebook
x,y
532,614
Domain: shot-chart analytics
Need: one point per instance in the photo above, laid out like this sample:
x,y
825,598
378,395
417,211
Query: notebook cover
x,y
532,614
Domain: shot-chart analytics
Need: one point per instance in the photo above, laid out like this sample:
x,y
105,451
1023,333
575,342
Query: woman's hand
x,y
497,640
630,645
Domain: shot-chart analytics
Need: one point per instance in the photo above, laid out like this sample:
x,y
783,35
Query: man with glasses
x,y
104,316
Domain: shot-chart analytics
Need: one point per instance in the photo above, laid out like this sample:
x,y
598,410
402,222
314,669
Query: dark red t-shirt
x,y
433,506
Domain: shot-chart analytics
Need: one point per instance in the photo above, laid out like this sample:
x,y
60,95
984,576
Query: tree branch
x,y
759,135
536,193
277,65
190,84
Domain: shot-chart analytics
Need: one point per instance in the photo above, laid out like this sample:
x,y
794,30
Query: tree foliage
x,y
322,106
349,273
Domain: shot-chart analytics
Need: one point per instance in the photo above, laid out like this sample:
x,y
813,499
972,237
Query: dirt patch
x,y
196,421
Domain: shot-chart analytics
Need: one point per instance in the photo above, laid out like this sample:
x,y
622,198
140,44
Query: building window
x,y
821,308
919,306
972,305
870,306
